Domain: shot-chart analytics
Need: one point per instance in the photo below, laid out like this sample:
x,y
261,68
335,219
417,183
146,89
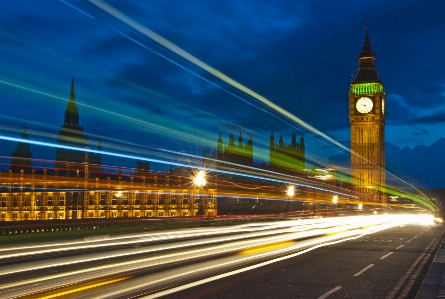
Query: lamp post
x,y
199,180
335,201
290,191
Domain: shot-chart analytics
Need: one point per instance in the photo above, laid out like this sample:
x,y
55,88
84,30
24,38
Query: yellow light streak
x,y
334,232
84,288
267,247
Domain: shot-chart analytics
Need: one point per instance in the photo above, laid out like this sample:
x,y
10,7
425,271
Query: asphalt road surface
x,y
382,265
376,256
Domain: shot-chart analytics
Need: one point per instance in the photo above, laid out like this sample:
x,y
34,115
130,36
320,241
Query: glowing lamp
x,y
290,191
200,179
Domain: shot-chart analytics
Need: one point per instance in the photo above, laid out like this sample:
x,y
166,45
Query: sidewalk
x,y
433,285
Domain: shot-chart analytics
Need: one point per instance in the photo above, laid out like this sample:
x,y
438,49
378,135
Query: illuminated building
x,y
71,134
241,154
291,157
40,196
76,188
367,119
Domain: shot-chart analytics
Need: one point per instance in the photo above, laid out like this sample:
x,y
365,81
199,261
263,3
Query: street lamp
x,y
199,180
290,191
335,201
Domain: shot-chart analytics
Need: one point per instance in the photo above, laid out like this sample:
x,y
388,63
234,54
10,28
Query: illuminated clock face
x,y
364,105
383,106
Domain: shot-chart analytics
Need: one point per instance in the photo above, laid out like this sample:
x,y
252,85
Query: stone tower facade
x,y
69,160
367,120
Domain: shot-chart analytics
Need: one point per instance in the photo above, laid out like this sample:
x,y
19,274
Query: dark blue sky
x,y
298,54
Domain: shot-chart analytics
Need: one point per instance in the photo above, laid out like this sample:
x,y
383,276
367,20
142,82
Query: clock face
x,y
383,106
364,105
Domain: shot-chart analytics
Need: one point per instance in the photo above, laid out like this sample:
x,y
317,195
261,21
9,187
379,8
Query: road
x,y
347,257
381,265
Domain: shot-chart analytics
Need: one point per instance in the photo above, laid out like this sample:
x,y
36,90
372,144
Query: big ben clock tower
x,y
367,118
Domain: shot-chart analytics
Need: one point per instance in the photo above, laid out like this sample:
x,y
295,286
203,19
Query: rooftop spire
x,y
367,50
367,72
24,133
72,96
71,112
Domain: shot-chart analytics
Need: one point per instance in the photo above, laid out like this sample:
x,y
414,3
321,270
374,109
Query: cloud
x,y
398,110
422,132
437,118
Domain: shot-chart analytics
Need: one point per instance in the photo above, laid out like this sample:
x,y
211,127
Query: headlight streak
x,y
355,226
230,273
2,137
169,258
120,253
139,284
89,286
140,238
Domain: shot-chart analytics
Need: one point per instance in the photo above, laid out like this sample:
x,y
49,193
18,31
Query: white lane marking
x,y
386,255
416,236
409,240
401,239
330,292
400,246
363,270
389,241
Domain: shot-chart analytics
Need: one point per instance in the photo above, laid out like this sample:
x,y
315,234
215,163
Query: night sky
x,y
301,55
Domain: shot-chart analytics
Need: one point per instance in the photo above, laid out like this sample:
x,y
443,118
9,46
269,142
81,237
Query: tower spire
x,y
71,112
367,50
72,96
366,65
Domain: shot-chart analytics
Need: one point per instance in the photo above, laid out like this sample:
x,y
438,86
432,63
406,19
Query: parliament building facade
x,y
77,188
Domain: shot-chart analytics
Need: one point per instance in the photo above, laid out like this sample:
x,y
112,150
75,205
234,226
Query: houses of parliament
x,y
78,188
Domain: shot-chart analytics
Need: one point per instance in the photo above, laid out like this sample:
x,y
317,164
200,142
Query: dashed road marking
x,y
363,270
386,255
409,240
400,246
330,292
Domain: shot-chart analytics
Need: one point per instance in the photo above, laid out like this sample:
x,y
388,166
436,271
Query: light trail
x,y
174,276
179,51
243,244
199,63
53,145
78,9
